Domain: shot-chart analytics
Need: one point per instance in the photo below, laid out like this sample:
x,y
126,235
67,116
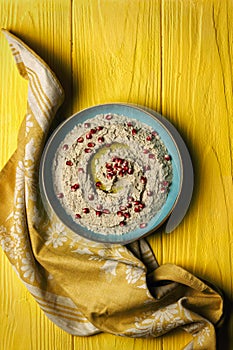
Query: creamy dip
x,y
112,174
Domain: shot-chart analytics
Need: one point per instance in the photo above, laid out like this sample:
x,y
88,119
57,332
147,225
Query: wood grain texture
x,y
42,25
197,97
173,56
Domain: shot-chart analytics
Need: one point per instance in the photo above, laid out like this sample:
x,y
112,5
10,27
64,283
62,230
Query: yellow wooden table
x,y
173,56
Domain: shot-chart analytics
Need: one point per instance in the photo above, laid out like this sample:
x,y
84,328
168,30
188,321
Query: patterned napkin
x,y
82,286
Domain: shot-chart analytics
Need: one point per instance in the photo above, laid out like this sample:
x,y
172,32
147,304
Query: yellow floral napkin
x,y
82,286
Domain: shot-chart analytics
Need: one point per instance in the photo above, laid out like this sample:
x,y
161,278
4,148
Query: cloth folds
x,y
82,286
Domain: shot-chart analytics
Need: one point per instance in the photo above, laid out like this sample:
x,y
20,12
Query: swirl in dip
x,y
112,174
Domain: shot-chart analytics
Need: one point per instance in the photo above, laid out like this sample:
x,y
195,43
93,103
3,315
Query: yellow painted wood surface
x,y
173,56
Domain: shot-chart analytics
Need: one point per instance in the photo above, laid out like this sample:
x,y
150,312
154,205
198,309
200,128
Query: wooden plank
x,y
45,26
116,58
197,98
116,52
111,342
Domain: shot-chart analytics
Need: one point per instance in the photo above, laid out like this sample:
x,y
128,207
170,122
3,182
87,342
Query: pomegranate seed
x,y
65,147
123,208
126,168
136,202
121,173
143,225
167,157
88,150
119,213
151,156
125,163
108,117
129,124
110,171
100,139
114,159
91,144
149,137
141,205
130,171
93,131
89,136
165,183
145,151
86,210
91,197
86,125
77,216
60,195
80,139
122,223
154,133
149,193
98,184
99,127
74,187
106,211
143,180
108,165
127,215
98,213
146,168
130,199
99,206
109,174
137,209
80,170
134,132
69,162
129,205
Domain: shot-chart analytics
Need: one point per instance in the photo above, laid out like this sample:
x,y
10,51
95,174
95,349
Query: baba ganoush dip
x,y
112,174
